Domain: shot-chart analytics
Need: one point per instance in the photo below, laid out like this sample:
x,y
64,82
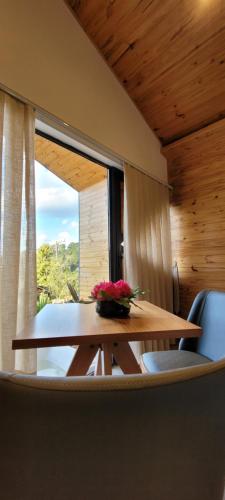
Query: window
x,y
72,222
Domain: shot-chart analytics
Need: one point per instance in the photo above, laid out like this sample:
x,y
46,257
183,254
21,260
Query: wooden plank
x,y
197,173
168,55
107,357
125,358
98,367
82,359
77,171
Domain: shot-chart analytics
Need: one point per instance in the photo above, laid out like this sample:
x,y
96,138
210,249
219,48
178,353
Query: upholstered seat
x,y
143,437
207,311
170,360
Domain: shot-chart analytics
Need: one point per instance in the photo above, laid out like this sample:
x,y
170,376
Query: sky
x,y
57,209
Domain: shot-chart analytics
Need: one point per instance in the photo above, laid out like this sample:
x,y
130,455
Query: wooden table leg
x,y
82,360
98,367
143,369
125,358
107,358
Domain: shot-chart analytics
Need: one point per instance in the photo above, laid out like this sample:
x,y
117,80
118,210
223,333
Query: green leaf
x,y
123,302
139,307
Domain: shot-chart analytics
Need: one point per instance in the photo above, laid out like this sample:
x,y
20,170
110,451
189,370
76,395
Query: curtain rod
x,y
66,128
77,134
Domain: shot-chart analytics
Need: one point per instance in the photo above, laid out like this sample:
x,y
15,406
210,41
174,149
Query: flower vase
x,y
111,309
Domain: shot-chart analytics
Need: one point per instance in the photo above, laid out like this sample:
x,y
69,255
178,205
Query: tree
x,y
57,264
73,255
44,260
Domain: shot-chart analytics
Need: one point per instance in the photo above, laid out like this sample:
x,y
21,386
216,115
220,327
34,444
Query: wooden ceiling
x,y
168,54
72,168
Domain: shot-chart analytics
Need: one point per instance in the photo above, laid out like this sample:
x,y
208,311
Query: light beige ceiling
x,y
168,54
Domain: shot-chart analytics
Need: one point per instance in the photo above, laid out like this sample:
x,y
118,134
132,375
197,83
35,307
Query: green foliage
x,y
43,299
57,264
45,255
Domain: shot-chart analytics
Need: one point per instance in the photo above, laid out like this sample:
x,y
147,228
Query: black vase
x,y
111,309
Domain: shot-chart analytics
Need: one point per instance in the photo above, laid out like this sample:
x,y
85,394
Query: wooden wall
x,y
94,258
197,172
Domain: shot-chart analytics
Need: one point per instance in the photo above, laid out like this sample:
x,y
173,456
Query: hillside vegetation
x,y
56,265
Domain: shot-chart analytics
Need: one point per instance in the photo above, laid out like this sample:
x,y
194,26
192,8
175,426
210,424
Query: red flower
x,y
123,288
105,290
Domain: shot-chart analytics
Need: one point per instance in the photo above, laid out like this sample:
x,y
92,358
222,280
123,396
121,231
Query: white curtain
x,y
17,230
147,244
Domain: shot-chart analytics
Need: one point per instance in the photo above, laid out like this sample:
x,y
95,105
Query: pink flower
x,y
123,288
106,290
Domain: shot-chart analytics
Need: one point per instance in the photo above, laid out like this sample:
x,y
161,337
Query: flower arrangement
x,y
114,299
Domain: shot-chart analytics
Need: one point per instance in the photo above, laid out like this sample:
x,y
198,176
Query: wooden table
x,y
79,324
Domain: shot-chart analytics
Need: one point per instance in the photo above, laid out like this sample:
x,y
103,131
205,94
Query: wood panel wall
x,y
94,249
197,173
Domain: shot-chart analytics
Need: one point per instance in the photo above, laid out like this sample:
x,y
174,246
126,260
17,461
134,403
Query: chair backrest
x,y
114,438
73,292
208,311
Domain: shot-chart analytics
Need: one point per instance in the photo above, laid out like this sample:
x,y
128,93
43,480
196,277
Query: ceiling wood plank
x,y
169,55
77,171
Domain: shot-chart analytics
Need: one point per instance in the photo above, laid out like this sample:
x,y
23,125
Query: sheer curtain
x,y
147,244
17,230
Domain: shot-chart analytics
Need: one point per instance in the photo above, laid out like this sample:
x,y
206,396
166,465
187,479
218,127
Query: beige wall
x,y
94,253
46,57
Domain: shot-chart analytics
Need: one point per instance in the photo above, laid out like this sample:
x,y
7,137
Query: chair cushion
x,y
169,360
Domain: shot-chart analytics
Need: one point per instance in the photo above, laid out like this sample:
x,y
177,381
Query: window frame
x,y
115,178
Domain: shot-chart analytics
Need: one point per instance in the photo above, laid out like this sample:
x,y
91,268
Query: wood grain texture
x,y
107,358
72,168
85,354
83,357
169,55
197,173
79,324
94,237
125,358
98,364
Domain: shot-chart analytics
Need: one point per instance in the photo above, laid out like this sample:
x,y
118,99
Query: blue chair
x,y
207,311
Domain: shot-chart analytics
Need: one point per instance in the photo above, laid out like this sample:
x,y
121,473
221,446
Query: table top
x,y
76,324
